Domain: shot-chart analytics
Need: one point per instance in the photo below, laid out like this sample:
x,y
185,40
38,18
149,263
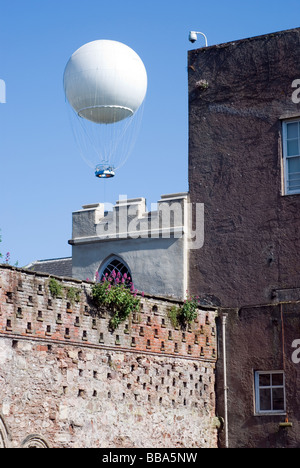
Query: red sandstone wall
x,y
67,378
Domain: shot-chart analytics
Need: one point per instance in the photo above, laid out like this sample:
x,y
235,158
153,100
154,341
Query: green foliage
x,y
184,314
118,298
173,316
73,295
55,288
188,312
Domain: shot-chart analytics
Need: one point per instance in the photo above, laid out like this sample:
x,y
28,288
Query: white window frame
x,y
286,158
108,262
271,412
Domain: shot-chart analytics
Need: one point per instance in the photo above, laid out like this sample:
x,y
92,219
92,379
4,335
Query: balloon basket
x,y
103,171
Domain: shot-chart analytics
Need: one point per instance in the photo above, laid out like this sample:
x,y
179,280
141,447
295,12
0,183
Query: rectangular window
x,y
291,156
270,392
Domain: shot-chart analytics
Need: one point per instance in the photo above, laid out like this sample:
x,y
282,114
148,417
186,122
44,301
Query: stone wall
x,y
259,339
239,95
67,381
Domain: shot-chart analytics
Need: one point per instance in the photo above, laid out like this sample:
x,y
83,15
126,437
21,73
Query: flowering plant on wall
x,y
5,258
117,293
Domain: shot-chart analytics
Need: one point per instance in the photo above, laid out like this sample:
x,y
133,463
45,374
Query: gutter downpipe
x,y
224,319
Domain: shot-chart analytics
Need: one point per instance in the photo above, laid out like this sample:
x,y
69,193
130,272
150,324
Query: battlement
x,y
129,219
153,244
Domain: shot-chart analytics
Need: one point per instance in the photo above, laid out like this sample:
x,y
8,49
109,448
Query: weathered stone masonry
x,y
67,381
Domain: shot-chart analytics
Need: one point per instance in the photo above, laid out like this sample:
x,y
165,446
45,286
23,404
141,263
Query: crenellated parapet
x,y
153,244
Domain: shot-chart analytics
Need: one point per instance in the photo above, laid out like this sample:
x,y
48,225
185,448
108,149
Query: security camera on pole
x,y
193,37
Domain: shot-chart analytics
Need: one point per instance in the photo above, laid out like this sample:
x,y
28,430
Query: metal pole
x,y
224,318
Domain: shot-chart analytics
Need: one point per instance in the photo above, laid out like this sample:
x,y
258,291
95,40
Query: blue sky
x,y
43,178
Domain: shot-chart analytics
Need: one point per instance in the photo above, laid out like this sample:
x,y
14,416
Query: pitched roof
x,y
55,266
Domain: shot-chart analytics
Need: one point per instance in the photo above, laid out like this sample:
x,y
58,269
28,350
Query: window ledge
x,y
290,115
291,194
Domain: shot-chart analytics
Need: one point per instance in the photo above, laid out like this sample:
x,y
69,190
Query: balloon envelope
x,y
105,81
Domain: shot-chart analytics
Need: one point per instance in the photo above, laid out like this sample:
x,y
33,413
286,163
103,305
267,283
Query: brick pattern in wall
x,y
28,309
67,381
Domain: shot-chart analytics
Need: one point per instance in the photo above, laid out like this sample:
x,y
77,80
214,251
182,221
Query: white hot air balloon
x,y
105,83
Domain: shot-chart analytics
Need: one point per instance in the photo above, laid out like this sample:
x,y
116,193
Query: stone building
x,y
151,247
159,386
244,165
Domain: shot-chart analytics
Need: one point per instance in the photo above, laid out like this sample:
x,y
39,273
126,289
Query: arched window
x,y
35,441
114,264
4,436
